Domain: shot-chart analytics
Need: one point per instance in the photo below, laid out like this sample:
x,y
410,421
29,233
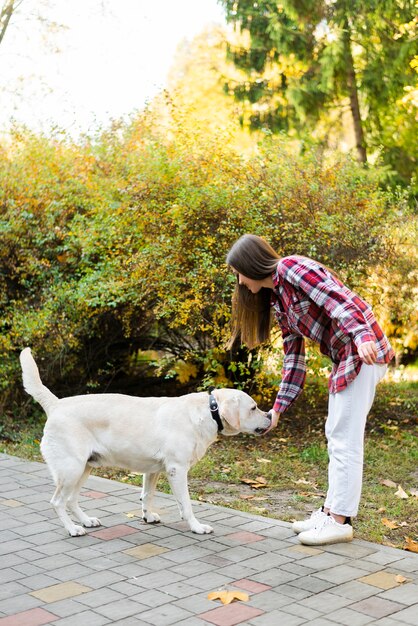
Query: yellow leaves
x,y
185,371
255,483
226,597
410,545
389,523
401,579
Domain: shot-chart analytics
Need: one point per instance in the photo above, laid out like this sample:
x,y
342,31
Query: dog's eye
x,y
253,408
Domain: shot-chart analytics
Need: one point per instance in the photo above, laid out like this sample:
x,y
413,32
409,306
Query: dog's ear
x,y
229,411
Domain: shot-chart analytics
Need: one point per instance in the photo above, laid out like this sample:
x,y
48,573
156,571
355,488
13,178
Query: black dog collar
x,y
214,409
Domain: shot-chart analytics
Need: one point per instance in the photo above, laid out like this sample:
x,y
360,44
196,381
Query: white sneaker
x,y
327,531
308,524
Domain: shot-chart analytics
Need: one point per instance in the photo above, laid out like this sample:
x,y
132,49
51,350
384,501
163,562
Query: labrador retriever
x,y
147,435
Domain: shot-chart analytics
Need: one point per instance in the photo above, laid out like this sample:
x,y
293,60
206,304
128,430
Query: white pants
x,y
344,430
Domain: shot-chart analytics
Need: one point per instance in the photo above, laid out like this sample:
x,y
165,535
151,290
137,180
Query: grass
x,y
289,466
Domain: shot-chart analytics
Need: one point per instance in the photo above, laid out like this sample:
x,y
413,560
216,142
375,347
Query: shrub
x,y
115,247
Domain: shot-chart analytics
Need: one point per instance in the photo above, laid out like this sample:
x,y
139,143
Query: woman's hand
x,y
367,352
274,420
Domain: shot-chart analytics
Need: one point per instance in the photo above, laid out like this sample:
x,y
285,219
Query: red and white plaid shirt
x,y
310,302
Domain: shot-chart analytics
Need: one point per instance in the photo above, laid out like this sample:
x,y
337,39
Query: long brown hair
x,y
254,258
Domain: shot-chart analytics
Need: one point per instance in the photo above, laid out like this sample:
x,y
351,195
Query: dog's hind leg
x,y
74,506
177,477
59,502
148,489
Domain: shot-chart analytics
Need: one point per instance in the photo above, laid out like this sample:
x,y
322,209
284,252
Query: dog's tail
x,y
32,381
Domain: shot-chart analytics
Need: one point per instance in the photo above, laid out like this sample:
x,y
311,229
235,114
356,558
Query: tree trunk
x,y
353,95
5,15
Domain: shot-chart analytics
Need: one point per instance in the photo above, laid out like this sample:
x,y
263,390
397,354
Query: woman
x,y
310,301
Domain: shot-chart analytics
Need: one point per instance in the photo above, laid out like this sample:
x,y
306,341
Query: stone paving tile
x,y
406,564
114,532
231,614
377,607
61,591
405,594
270,600
355,590
32,617
325,602
275,577
386,621
152,598
146,550
340,574
19,603
348,617
11,590
251,585
301,552
312,583
120,609
277,618
408,616
86,617
195,568
381,579
165,615
303,611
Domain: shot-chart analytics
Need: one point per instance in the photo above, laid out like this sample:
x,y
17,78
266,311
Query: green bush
x,y
113,251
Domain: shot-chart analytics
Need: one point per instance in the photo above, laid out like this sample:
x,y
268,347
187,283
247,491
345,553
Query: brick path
x,y
128,572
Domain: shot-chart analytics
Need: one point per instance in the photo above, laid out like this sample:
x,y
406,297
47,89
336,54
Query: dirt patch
x,y
279,504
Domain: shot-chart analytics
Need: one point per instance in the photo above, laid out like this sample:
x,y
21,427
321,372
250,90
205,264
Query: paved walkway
x,y
128,572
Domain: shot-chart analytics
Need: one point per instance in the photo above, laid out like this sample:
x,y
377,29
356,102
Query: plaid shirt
x,y
310,302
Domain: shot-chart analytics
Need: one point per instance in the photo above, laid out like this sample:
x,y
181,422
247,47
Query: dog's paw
x,y
77,531
201,529
151,518
92,521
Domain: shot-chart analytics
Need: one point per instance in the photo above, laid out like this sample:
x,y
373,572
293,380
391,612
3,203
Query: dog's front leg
x,y
148,489
177,477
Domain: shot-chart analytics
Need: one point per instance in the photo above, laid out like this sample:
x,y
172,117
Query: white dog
x,y
147,435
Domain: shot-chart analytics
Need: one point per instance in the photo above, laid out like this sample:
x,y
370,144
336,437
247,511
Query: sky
x,y
103,59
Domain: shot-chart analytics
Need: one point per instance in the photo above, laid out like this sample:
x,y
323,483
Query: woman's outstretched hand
x,y
367,352
274,420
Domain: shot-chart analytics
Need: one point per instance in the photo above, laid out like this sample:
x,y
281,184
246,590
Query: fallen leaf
x,y
414,492
401,579
257,483
401,493
387,483
244,496
389,524
410,545
302,481
263,461
130,515
226,597
310,494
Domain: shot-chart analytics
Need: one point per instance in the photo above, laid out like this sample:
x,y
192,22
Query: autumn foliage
x,y
113,249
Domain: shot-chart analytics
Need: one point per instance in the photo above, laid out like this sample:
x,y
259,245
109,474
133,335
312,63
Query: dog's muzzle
x,y
261,431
